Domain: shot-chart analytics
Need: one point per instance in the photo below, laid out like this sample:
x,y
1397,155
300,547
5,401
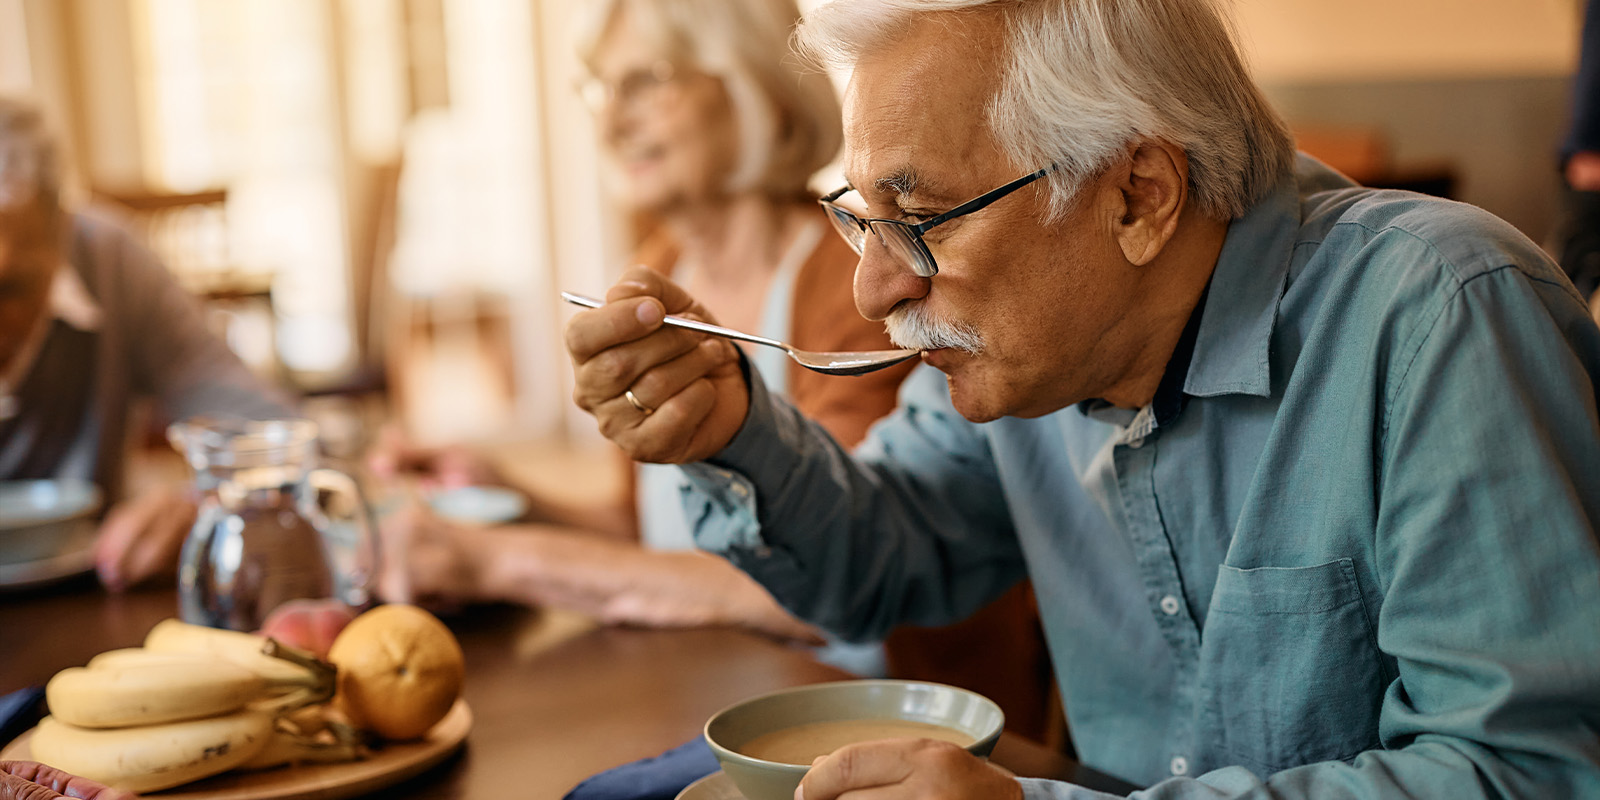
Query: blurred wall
x,y
1480,86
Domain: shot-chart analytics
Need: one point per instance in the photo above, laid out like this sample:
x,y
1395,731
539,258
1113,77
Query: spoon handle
x,y
682,322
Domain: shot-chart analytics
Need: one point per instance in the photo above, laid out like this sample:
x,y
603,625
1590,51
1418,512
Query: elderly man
x,y
1304,474
88,320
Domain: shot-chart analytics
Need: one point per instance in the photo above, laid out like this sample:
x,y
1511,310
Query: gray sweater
x,y
152,340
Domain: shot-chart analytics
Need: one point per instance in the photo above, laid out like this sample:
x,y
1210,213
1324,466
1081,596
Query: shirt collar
x,y
71,302
1233,343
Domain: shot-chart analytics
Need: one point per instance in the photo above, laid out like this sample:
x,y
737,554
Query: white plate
x,y
27,574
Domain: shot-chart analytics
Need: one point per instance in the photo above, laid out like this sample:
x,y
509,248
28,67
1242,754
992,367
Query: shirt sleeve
x,y
176,358
912,528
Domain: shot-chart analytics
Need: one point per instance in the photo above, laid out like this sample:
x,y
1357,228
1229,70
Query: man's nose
x,y
883,280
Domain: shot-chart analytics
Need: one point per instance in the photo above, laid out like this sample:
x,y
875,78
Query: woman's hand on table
x,y
141,537
449,467
922,769
427,558
29,780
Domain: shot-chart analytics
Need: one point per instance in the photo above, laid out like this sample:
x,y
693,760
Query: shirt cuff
x,y
724,512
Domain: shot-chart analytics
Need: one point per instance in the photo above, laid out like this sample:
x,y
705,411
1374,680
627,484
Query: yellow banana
x,y
128,656
244,649
151,693
289,748
153,757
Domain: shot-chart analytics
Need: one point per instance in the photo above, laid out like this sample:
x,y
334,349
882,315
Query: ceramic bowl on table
x,y
766,744
44,521
484,505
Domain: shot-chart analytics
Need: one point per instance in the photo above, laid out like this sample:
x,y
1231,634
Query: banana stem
x,y
321,676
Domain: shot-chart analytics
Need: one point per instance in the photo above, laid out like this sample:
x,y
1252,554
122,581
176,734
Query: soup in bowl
x,y
766,744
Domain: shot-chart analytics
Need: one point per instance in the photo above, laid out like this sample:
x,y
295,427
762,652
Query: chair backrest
x,y
189,233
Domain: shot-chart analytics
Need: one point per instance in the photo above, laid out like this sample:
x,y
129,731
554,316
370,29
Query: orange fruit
x,y
400,670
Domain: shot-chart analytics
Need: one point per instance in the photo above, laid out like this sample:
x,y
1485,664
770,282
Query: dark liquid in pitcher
x,y
249,561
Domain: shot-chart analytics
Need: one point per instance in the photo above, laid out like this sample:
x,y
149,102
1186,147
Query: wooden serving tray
x,y
393,764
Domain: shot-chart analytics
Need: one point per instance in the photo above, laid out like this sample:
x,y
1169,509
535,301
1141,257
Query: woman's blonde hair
x,y
787,115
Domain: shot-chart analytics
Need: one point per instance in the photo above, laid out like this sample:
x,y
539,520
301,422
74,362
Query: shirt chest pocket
x,y
1289,666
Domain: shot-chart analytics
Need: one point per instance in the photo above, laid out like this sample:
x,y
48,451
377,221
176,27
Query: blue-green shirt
x,y
1355,558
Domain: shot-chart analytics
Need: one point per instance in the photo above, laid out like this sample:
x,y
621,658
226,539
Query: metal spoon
x,y
857,363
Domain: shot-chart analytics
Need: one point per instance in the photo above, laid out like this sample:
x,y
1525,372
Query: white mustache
x,y
914,328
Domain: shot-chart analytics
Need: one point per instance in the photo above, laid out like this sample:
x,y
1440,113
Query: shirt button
x,y
741,490
1169,604
1180,765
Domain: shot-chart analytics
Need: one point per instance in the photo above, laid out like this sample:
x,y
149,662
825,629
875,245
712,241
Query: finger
x,y
857,767
646,282
15,787
383,460
659,384
156,549
662,381
118,535
591,332
58,782
608,374
673,430
394,580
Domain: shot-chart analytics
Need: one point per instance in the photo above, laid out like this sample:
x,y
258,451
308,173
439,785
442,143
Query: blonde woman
x,y
712,132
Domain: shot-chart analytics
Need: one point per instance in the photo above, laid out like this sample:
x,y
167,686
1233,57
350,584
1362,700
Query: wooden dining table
x,y
554,697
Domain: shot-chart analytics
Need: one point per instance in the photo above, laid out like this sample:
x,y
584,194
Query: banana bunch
x,y
191,703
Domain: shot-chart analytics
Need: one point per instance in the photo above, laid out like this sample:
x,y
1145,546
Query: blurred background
x,y
379,199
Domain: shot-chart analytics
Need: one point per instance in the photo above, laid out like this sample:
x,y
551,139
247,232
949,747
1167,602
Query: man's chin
x,y
967,391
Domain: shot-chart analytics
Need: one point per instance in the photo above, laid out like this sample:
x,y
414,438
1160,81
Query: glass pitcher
x,y
272,526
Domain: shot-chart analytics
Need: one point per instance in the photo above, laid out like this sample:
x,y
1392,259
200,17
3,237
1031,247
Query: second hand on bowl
x,y
849,363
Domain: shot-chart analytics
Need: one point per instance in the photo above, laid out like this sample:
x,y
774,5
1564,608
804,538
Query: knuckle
x,y
612,427
611,368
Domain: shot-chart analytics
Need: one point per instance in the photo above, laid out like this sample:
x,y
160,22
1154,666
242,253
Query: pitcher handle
x,y
351,533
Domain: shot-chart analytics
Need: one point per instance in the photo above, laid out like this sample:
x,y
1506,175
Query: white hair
x,y
787,116
1081,80
29,170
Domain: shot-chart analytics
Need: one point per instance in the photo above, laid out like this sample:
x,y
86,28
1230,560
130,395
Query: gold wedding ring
x,y
633,400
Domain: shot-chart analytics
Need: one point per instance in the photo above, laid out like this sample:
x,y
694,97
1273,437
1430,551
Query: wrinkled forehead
x,y
921,101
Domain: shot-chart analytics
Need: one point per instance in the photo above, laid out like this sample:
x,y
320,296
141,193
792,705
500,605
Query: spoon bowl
x,y
858,362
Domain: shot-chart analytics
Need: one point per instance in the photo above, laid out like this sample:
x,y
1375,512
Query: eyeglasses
x,y
634,85
903,239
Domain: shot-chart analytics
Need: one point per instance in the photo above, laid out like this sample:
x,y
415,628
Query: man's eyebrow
x,y
902,182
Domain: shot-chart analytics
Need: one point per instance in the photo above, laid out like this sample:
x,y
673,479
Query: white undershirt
x,y
662,524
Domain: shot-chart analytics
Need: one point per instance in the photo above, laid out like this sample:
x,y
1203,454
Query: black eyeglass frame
x,y
922,262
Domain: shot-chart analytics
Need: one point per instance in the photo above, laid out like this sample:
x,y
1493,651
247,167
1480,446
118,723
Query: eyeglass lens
x,y
899,240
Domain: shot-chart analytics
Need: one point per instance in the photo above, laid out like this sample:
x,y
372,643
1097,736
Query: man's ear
x,y
1155,190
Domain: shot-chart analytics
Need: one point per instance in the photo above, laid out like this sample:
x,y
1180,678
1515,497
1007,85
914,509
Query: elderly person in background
x,y
1305,475
712,132
88,321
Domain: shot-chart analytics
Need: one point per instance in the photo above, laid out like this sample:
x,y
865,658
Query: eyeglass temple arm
x,y
982,200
